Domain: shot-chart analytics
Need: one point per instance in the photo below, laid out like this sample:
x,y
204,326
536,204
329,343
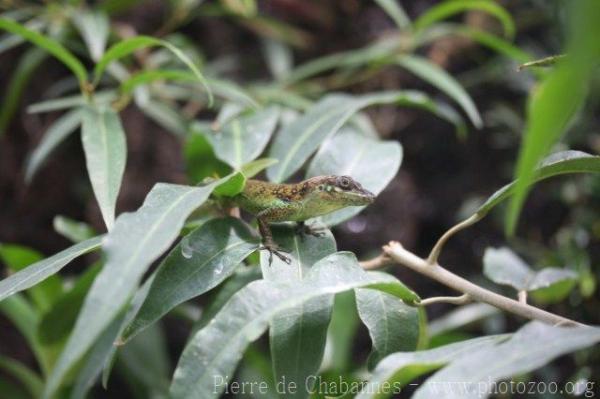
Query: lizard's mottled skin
x,y
317,196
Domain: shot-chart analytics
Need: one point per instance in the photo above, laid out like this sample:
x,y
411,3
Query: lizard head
x,y
339,192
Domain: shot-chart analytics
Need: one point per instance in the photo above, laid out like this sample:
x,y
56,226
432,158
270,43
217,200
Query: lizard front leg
x,y
269,244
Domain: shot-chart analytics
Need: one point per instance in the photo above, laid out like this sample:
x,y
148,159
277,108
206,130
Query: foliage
x,y
297,124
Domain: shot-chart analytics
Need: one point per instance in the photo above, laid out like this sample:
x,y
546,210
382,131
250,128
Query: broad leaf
x,y
393,325
503,266
397,370
49,45
244,138
533,346
430,72
297,335
232,186
56,133
297,141
136,240
556,164
373,163
200,262
214,351
41,270
105,154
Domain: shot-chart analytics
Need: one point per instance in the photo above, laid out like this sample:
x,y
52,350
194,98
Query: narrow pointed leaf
x,y
429,72
297,335
136,240
556,164
41,270
214,351
57,133
297,141
94,27
128,46
200,262
373,163
49,45
253,168
449,8
396,12
533,346
393,325
244,138
400,368
105,153
28,378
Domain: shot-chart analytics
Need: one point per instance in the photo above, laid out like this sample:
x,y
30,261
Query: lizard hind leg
x,y
302,229
269,244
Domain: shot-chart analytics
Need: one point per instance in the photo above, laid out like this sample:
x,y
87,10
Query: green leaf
x,y
28,378
41,270
214,351
128,46
49,45
297,141
398,369
200,262
105,153
484,38
240,278
556,164
17,258
451,7
396,12
72,229
371,162
58,321
341,334
56,133
165,116
253,168
152,75
96,359
136,240
232,186
533,346
244,138
503,266
27,65
103,97
297,335
279,58
460,317
556,101
94,27
441,79
393,325
147,359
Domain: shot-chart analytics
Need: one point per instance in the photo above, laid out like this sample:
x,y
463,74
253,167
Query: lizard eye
x,y
344,182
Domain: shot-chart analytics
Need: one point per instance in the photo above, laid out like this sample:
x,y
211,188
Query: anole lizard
x,y
271,203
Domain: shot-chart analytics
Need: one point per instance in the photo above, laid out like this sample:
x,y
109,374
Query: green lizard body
x,y
271,202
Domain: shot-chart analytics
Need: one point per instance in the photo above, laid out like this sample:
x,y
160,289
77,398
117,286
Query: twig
x,y
522,296
377,263
437,248
434,271
455,300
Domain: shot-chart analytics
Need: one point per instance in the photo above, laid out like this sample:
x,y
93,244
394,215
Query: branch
x,y
434,271
437,248
455,300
